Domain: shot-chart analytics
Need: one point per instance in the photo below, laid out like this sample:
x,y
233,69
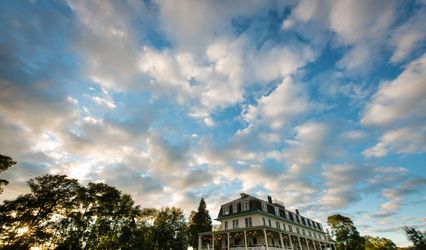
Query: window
x,y
234,208
264,223
264,207
297,230
278,225
303,231
226,210
245,206
297,218
290,228
277,211
248,222
235,224
291,216
309,232
283,226
270,223
226,225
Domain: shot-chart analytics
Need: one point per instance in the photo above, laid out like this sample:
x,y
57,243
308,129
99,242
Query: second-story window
x,y
297,230
226,210
264,223
234,208
226,225
290,228
248,222
283,226
270,223
245,206
234,224
278,225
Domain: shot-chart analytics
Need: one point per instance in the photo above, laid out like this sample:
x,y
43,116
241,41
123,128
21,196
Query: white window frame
x,y
226,210
264,207
245,206
234,208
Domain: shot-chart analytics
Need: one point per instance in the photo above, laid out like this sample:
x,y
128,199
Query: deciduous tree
x,y
417,237
5,163
345,233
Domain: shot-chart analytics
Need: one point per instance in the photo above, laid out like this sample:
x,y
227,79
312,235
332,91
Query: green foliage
x,y
345,233
58,213
417,237
377,243
5,163
199,222
169,230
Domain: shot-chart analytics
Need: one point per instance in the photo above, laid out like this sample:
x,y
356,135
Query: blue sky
x,y
321,104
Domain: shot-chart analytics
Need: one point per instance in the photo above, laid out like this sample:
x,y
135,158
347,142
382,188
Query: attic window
x,y
234,208
264,207
226,210
245,206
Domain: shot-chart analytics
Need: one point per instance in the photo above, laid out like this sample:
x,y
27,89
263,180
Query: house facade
x,y
249,223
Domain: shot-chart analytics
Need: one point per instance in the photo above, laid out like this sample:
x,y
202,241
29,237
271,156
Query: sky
x,y
321,104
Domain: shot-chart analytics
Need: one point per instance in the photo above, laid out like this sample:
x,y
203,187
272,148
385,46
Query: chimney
x,y
269,199
297,211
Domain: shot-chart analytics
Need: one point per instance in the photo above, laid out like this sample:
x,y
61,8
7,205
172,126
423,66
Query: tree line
x,y
347,237
60,213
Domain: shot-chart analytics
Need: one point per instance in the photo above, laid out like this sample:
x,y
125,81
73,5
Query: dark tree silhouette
x,y
417,237
199,222
5,163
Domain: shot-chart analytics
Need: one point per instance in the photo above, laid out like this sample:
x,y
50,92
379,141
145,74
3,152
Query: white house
x,y
249,223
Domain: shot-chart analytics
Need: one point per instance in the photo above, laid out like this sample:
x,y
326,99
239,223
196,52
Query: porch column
x,y
307,243
300,244
245,239
281,239
266,239
199,242
227,235
213,241
291,242
315,247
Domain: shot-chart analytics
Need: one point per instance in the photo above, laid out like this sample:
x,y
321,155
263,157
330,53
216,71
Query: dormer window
x,y
264,207
234,208
277,211
226,210
245,206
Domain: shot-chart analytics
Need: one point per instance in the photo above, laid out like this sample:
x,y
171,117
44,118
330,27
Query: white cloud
x,y
395,196
309,144
401,99
287,101
404,140
408,36
103,102
341,181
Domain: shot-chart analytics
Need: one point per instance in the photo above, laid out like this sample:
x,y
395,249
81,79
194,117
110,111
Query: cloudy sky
x,y
321,104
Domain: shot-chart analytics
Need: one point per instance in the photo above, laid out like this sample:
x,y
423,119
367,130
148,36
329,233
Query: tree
x,y
169,230
345,233
199,222
417,237
377,243
5,163
37,218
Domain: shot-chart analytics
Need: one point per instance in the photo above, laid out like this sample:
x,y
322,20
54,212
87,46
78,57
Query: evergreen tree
x,y
199,222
